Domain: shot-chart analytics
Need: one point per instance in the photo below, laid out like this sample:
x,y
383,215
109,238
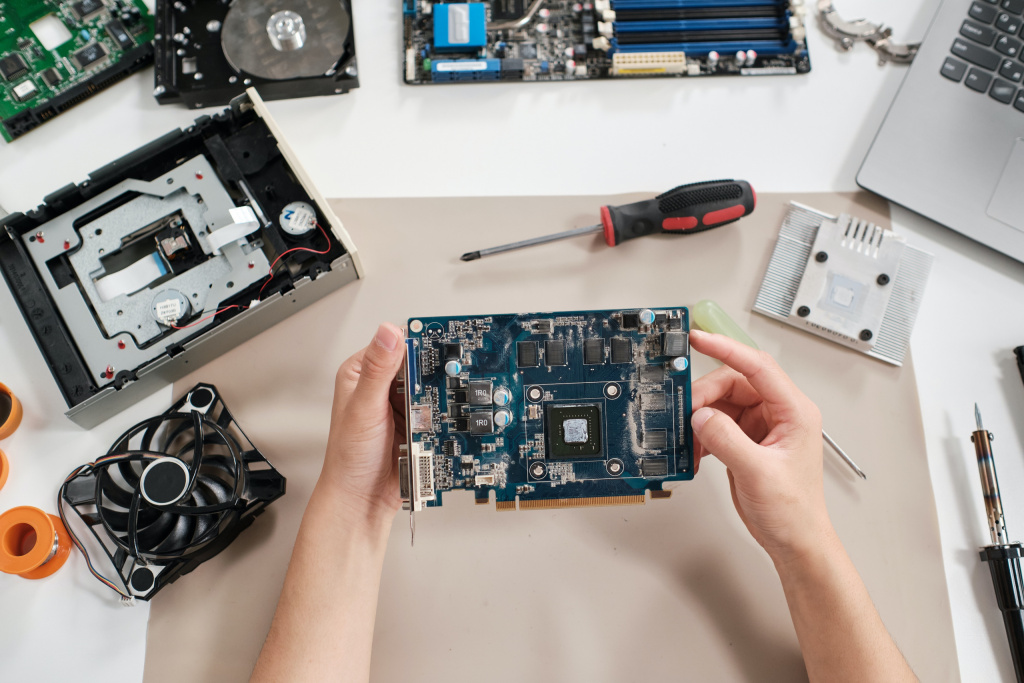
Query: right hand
x,y
767,433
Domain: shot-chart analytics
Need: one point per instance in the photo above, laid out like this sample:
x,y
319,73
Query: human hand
x,y
367,425
767,433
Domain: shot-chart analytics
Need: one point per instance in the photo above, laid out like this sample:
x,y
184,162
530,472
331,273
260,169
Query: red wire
x,y
270,277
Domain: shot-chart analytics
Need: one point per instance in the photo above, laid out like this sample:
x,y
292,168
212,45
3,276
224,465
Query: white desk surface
x,y
785,134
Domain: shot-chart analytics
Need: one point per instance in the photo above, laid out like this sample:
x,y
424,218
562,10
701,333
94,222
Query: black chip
x,y
51,76
449,448
86,7
454,382
673,344
90,54
458,410
543,326
654,467
452,351
656,439
593,351
507,9
554,352
462,424
527,354
653,402
573,431
13,66
481,422
461,396
466,465
630,321
660,317
674,324
622,350
119,34
528,51
652,373
480,392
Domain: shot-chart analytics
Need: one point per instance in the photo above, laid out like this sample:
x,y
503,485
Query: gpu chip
x,y
573,431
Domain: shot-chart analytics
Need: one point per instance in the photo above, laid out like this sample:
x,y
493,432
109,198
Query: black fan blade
x,y
149,535
222,464
202,495
123,498
178,539
130,473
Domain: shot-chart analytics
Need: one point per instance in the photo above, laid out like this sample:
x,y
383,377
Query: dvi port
x,y
416,477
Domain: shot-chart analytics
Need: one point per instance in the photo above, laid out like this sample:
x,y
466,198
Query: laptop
x,y
952,145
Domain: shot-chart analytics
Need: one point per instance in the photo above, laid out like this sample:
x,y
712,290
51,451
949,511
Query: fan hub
x,y
164,481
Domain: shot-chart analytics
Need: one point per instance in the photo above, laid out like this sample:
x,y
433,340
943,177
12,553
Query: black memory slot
x,y
699,13
701,36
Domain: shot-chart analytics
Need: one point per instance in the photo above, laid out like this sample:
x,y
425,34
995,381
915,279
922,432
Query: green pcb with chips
x,y
55,54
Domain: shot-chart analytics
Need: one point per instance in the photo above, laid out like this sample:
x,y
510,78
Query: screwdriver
x,y
682,211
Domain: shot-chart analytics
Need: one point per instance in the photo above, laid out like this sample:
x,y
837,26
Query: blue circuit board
x,y
547,410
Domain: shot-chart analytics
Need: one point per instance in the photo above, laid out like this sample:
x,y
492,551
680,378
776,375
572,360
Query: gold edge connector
x,y
581,502
503,505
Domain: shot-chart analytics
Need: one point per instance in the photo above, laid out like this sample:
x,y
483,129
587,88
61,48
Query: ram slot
x,y
655,10
700,31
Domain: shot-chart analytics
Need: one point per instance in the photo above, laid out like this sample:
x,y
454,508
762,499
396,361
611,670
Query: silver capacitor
x,y
502,396
286,30
502,418
452,368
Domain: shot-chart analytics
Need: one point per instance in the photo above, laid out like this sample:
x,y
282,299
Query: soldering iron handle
x,y
684,210
1004,562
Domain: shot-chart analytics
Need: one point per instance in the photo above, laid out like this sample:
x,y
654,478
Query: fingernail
x,y
386,337
700,417
694,333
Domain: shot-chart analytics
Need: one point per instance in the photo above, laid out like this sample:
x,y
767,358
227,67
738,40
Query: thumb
x,y
723,438
380,364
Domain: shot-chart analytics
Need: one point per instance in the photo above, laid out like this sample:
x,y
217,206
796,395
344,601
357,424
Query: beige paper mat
x,y
674,590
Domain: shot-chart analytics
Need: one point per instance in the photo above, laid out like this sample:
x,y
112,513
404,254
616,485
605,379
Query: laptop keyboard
x,y
988,55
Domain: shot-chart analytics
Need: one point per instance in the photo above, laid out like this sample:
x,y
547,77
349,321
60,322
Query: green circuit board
x,y
55,54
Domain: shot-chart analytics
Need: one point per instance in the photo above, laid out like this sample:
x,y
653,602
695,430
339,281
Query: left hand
x,y
367,425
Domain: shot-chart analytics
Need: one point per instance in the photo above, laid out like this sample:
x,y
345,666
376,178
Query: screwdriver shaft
x,y
842,454
474,255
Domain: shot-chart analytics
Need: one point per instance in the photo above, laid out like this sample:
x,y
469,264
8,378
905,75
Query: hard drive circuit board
x,y
560,40
55,54
567,409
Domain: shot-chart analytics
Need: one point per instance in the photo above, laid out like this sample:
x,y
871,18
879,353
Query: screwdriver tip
x,y
977,418
470,256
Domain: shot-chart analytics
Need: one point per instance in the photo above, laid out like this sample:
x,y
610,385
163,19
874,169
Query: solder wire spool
x,y
10,412
33,544
4,469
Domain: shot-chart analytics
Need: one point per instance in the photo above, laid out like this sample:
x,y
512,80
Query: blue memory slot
x,y
700,25
762,47
625,5
462,70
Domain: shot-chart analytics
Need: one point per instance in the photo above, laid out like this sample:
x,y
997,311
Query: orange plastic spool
x,y
10,412
4,469
33,544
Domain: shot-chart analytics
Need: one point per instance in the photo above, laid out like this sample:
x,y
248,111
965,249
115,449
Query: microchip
x,y
89,55
673,324
466,463
507,9
13,66
554,352
660,318
656,439
543,326
593,351
528,51
481,422
452,351
24,91
654,467
458,410
652,373
527,354
117,32
653,402
462,424
573,431
449,447
630,321
622,350
480,393
51,76
86,7
673,344
461,396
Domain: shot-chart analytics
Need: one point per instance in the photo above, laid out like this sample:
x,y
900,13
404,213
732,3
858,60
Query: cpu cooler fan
x,y
172,492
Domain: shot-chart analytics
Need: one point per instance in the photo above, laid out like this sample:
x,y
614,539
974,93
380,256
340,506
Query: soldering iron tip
x,y
470,256
977,418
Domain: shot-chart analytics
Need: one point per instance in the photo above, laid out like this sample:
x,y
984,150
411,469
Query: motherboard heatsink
x,y
548,410
563,40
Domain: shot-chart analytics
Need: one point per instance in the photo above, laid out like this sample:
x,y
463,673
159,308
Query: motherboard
x,y
552,410
55,54
565,40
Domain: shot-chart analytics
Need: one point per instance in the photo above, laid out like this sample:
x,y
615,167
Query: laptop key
x,y
982,12
1010,69
1002,91
978,33
1008,23
1008,46
978,80
975,54
953,69
1014,6
1018,103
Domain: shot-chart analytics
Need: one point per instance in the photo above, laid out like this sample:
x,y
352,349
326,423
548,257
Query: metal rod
x,y
989,481
474,255
842,454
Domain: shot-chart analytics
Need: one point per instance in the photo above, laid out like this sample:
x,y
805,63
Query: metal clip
x,y
878,36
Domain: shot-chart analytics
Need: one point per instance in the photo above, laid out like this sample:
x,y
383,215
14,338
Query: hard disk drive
x,y
171,255
209,51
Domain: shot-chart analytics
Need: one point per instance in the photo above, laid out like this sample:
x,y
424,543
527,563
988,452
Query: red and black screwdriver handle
x,y
685,210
